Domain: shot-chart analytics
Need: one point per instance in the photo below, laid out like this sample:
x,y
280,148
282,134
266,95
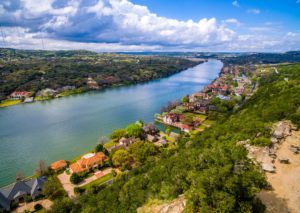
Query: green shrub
x,y
75,178
38,207
262,141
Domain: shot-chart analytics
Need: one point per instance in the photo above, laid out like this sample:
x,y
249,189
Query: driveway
x,y
64,178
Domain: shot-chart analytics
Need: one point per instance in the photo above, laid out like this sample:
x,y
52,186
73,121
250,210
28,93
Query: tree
x,y
185,99
134,130
168,130
75,178
121,158
142,150
62,206
52,189
41,168
38,207
118,134
101,148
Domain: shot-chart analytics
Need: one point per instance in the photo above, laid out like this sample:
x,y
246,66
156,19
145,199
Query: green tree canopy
x,y
142,150
134,130
121,158
118,134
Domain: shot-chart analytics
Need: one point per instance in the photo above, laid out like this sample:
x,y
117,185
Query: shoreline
x,y
12,102
78,156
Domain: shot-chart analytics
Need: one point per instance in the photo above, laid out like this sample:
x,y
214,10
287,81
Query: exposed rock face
x,y
281,130
175,206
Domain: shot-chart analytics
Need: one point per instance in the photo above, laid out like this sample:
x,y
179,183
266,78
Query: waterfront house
x,y
150,129
28,100
126,141
18,191
20,94
47,92
152,138
89,161
185,128
59,165
171,118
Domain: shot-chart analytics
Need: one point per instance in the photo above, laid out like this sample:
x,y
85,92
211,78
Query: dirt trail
x,y
285,196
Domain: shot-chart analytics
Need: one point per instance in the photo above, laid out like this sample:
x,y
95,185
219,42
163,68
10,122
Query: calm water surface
x,y
67,127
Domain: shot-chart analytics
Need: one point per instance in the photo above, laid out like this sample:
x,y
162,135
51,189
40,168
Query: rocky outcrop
x,y
174,206
266,156
281,130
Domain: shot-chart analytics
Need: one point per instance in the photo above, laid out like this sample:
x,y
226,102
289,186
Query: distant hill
x,y
264,58
18,53
35,70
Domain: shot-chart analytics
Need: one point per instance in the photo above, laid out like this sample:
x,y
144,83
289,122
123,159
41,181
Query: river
x,y
67,127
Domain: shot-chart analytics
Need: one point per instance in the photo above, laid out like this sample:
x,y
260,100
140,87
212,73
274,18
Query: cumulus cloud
x,y
112,21
120,25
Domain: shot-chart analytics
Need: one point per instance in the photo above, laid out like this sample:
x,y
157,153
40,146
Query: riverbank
x,y
69,92
58,128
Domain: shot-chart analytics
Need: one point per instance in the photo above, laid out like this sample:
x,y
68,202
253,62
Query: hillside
x,y
209,168
34,70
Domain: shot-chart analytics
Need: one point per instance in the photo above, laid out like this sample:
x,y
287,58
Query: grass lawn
x,y
7,103
42,98
110,144
98,181
208,122
71,92
195,117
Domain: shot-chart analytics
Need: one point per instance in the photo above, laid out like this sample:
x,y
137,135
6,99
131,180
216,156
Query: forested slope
x,y
209,168
34,70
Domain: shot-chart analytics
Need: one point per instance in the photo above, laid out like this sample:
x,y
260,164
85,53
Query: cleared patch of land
x,y
285,196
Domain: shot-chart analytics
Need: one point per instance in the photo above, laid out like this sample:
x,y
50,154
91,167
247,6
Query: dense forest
x,y
262,58
33,70
209,168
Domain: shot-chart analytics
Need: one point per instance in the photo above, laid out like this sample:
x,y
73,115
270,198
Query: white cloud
x,y
236,4
120,25
291,34
232,21
260,29
116,21
254,11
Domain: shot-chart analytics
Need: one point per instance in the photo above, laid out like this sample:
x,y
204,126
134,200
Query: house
x,y
59,165
150,129
16,192
196,96
125,141
160,142
185,128
20,94
89,161
171,118
28,100
47,92
152,138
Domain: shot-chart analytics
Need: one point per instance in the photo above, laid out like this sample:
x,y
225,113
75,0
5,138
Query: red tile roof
x,y
60,164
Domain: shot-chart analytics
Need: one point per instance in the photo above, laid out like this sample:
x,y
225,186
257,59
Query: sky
x,y
151,25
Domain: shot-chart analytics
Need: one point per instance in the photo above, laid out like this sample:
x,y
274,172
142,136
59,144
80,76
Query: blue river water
x,y
67,127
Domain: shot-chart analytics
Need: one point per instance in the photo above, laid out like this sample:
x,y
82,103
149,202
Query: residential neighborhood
x,y
193,111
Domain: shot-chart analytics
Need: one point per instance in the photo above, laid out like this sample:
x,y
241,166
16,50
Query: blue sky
x,y
151,25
